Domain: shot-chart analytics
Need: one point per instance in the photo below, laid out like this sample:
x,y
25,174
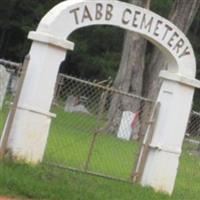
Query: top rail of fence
x,y
196,113
110,89
10,63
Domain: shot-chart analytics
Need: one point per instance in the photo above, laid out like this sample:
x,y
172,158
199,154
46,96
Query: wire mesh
x,y
8,87
193,127
85,136
193,133
189,162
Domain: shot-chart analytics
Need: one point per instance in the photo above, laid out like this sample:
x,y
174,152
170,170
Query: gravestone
x,y
73,105
128,126
4,80
13,84
125,129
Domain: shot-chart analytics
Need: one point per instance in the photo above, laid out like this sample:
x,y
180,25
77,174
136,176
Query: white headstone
x,y
125,129
73,105
4,79
13,84
70,103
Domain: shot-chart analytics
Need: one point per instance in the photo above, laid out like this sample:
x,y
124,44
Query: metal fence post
x,y
102,104
137,174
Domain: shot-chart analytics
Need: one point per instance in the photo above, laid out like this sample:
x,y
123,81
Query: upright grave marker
x,y
30,129
4,80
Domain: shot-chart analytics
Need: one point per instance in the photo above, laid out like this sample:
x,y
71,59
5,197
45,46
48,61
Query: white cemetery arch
x,y
31,125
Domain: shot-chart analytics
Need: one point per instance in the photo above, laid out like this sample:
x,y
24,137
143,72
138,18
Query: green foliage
x,y
94,56
17,18
98,49
162,7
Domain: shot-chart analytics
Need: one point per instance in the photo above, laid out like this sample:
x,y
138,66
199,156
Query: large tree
x,y
140,77
17,18
182,15
130,75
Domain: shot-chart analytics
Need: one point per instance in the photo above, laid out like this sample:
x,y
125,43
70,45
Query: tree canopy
x,y
98,49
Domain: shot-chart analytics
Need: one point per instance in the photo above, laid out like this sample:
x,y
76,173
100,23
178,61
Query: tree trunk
x,y
130,75
182,15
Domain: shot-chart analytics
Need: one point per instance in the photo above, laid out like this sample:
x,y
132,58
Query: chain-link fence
x,y
193,127
193,132
9,76
89,136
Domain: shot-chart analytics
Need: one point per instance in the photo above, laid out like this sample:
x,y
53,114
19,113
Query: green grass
x,y
3,115
44,182
49,183
68,145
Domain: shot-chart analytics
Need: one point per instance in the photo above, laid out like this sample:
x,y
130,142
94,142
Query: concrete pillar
x,y
165,149
29,133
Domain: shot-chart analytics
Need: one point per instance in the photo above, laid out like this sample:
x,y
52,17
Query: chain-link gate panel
x,y
97,129
193,132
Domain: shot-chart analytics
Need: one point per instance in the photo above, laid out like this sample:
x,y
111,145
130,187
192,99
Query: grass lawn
x,y
50,183
44,182
68,145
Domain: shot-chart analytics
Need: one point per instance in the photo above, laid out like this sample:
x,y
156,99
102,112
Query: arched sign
x,y
30,129
73,15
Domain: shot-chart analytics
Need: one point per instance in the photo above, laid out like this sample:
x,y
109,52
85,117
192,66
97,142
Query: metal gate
x,y
98,129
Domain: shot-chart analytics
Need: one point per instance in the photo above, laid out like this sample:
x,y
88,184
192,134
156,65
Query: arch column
x,y
29,132
175,97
